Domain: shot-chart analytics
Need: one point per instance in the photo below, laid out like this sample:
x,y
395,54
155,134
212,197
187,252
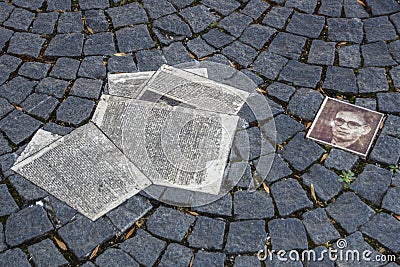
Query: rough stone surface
x,y
158,8
350,56
362,185
224,7
171,26
87,88
253,205
301,74
385,150
279,169
287,234
75,110
347,30
369,103
376,55
322,53
389,102
287,45
289,197
221,207
121,64
53,87
2,245
92,67
115,257
244,261
25,188
149,60
144,248
198,17
385,31
45,253
20,19
203,258
176,255
350,212
307,6
319,227
70,22
391,200
15,257
19,126
130,14
16,90
160,223
383,227
90,4
65,45
372,80
269,65
34,70
325,182
26,44
305,24
100,44
81,244
281,91
7,203
305,103
200,48
40,105
27,224
207,233
257,35
277,17
246,236
342,80
96,20
340,160
240,53
65,68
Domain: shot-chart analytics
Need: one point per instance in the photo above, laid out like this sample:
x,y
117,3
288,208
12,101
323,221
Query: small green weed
x,y
347,177
394,168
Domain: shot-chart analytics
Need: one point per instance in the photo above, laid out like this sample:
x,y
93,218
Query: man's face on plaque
x,y
349,127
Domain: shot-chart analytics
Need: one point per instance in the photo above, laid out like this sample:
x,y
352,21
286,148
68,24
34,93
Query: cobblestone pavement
x,y
53,64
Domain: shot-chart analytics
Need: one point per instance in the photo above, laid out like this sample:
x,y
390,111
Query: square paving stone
x,y
286,127
217,38
240,53
301,152
65,45
44,23
277,17
175,53
235,23
16,90
391,200
7,203
65,68
379,29
369,103
246,261
207,233
92,67
386,150
269,65
88,88
115,257
340,160
169,223
253,205
326,183
289,197
144,248
354,10
27,190
199,17
392,126
14,256
257,35
129,212
330,8
27,224
5,10
134,39
176,255
200,48
34,70
306,25
210,259
158,8
70,22
307,6
83,235
301,74
341,29
5,107
6,162
96,20
75,110
5,35
26,44
246,237
93,4
149,60
383,228
4,146
395,74
287,234
224,7
62,213
220,207
322,53
20,19
350,212
383,6
377,55
171,28
305,103
288,45
46,253
362,185
51,86
129,14
255,8
389,102
279,169
8,64
100,44
319,227
342,80
53,5
372,80
19,126
40,105
121,64
350,56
